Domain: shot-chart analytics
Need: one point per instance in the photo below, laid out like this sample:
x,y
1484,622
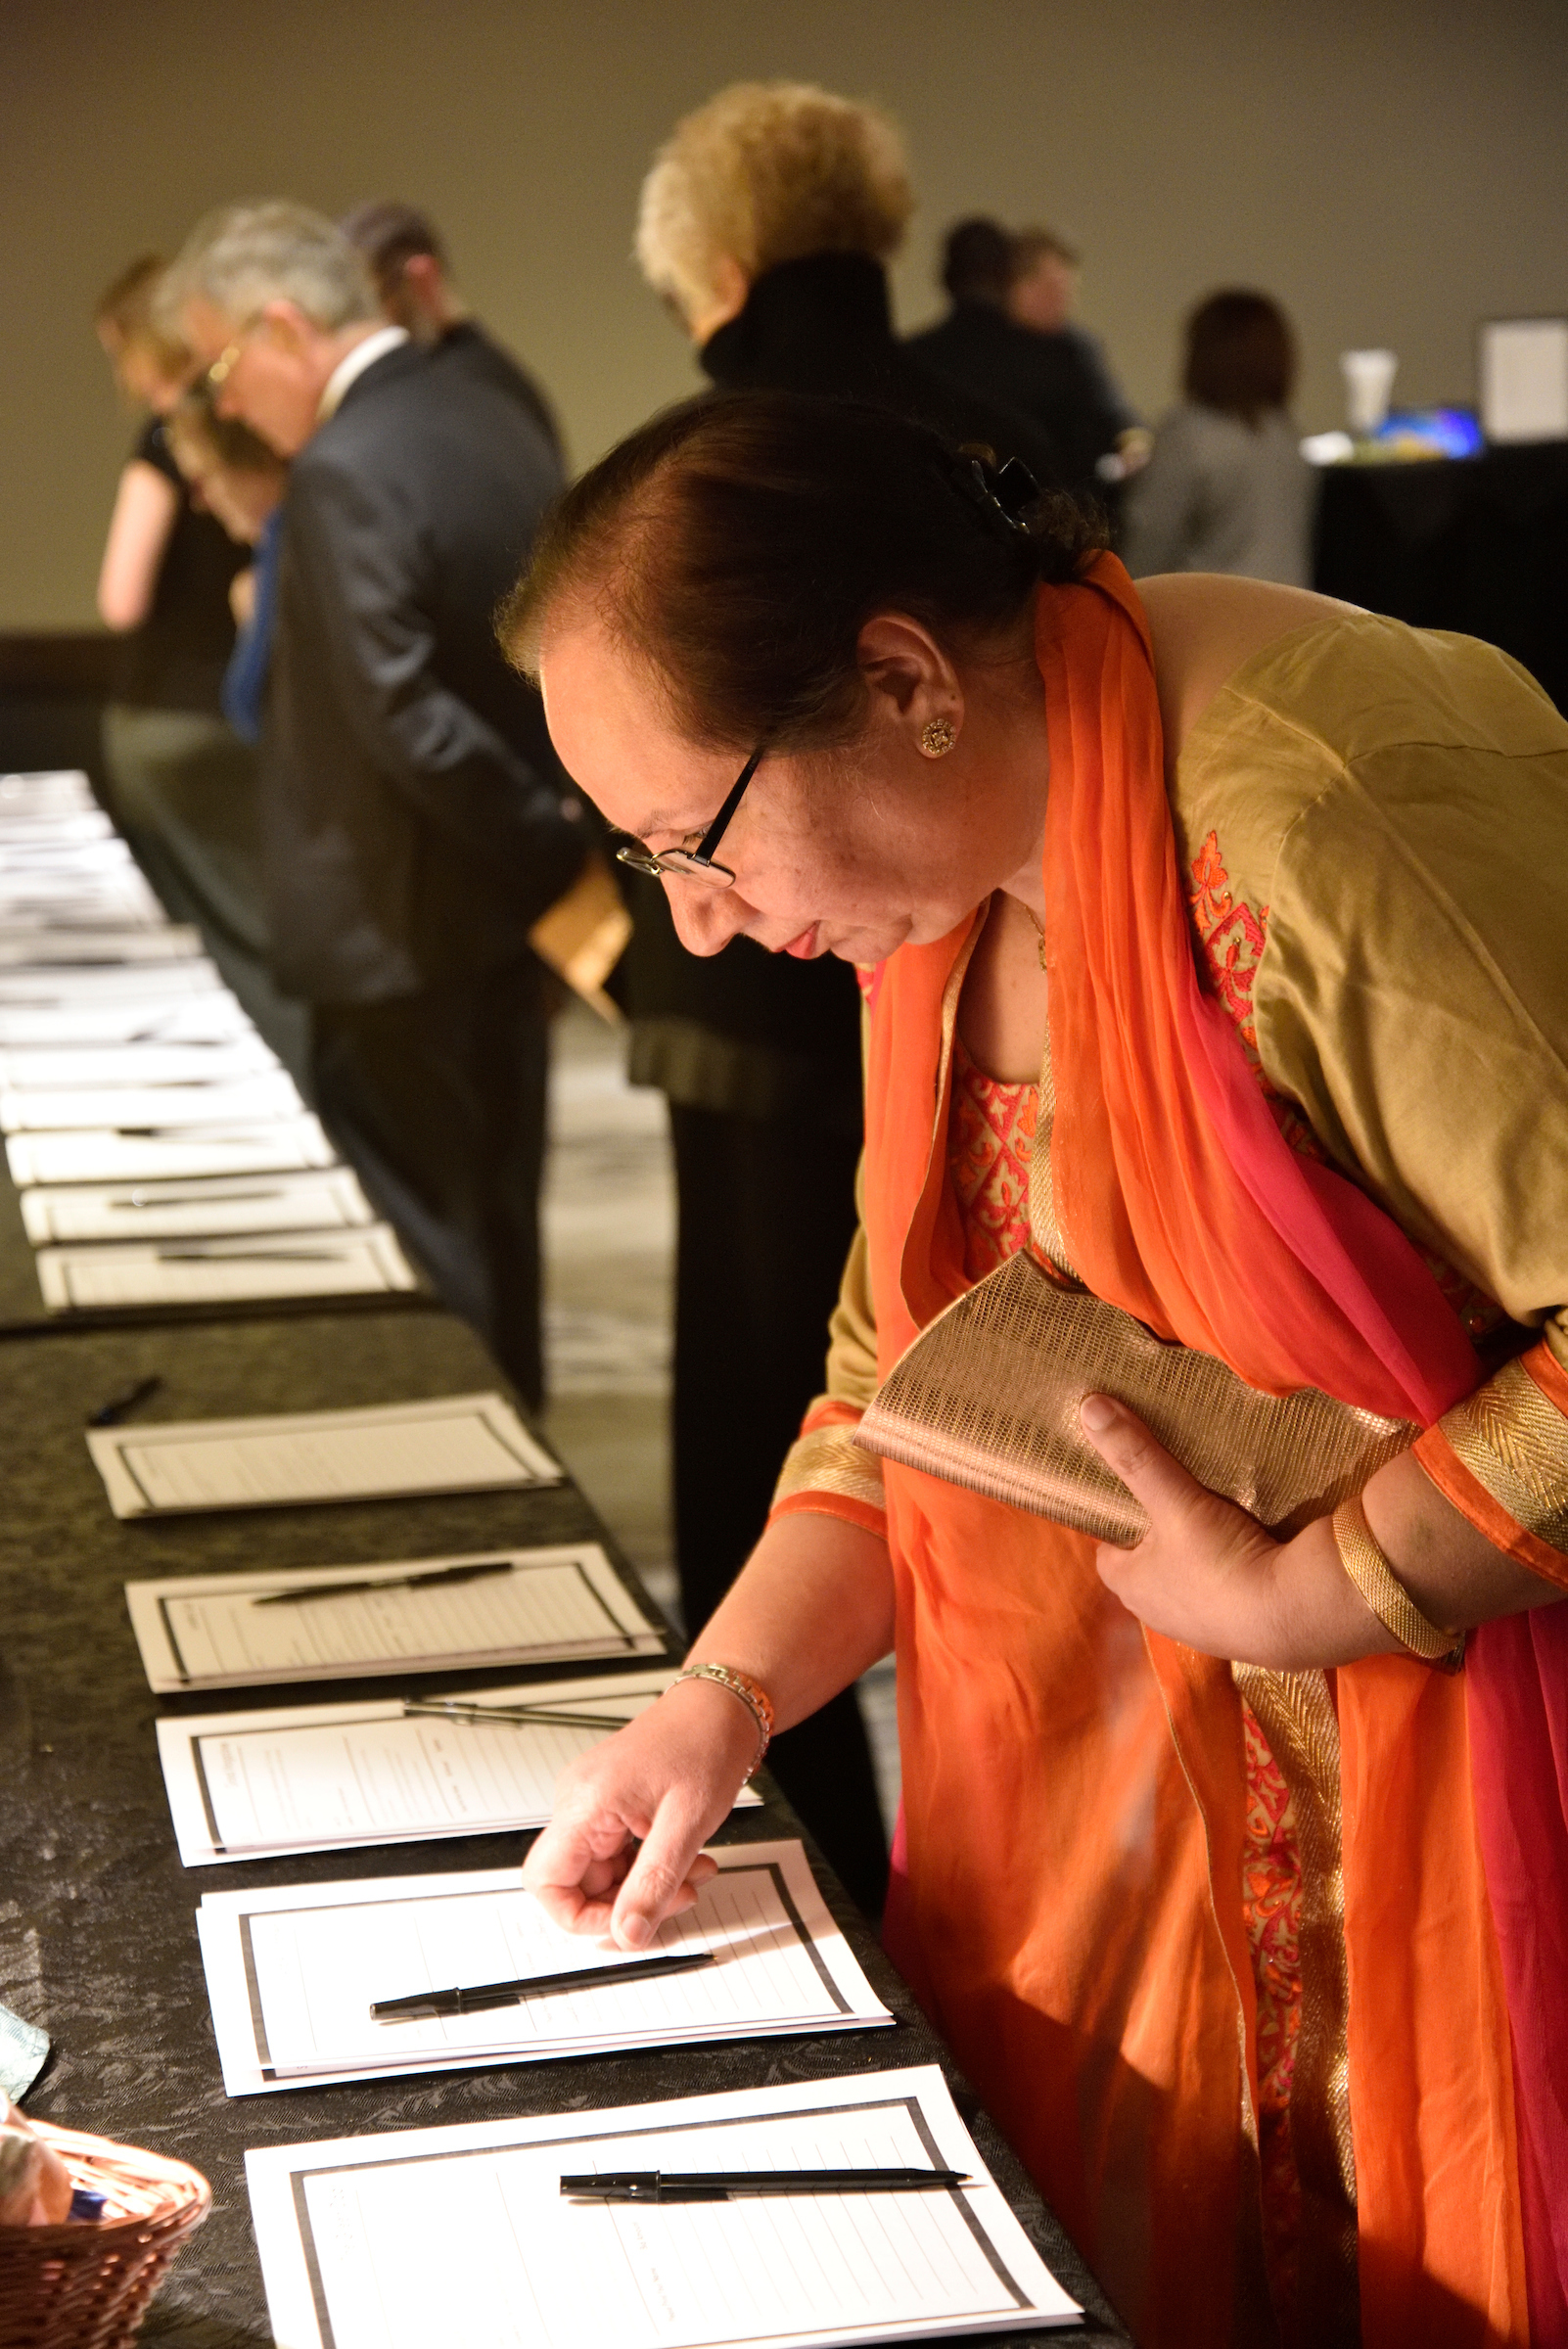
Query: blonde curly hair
x,y
770,172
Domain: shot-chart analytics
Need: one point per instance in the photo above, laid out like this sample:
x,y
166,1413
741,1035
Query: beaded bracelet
x,y
1374,1578
750,1693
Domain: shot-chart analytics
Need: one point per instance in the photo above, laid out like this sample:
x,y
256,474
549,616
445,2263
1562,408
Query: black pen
x,y
486,1994
724,2186
111,1414
391,1581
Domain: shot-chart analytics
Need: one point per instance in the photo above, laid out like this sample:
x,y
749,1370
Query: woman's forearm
x,y
811,1609
1450,1570
809,1612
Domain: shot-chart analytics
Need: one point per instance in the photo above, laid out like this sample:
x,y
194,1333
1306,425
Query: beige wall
x,y
1393,172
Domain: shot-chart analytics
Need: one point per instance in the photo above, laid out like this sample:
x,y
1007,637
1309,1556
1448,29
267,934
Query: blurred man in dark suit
x,y
407,259
1009,337
415,820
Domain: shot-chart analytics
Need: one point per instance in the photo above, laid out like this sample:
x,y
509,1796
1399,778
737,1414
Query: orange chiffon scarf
x,y
1176,1192
1181,1201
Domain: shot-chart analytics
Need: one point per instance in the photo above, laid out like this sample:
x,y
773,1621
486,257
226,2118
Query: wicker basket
x,y
87,2285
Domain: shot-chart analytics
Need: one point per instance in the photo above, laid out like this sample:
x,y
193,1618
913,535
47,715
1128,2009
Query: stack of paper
x,y
125,1060
447,1443
167,1154
460,2235
263,1265
291,1972
521,1606
332,1777
327,1201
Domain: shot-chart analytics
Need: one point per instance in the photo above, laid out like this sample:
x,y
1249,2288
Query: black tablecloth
x,y
1479,546
97,1932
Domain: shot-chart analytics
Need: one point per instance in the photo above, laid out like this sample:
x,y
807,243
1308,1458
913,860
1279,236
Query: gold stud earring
x,y
938,737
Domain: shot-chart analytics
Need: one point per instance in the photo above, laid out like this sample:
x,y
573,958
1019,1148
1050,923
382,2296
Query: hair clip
x,y
1005,492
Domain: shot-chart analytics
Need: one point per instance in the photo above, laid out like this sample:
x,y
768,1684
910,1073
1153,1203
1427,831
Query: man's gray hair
x,y
248,255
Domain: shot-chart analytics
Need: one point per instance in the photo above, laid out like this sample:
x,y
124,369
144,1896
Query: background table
x,y
97,1917
1480,546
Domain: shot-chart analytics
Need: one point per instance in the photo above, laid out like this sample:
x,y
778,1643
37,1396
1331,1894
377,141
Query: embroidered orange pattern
x,y
1233,937
991,1138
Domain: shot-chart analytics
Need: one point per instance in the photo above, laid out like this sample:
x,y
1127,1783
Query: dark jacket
x,y
415,820
1059,381
467,348
744,1031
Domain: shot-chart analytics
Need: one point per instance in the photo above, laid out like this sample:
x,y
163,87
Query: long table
x,y
97,1930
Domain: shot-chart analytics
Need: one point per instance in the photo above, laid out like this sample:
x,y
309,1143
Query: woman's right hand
x,y
624,1850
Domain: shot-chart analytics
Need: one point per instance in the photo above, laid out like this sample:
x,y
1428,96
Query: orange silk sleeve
x,y
1501,1457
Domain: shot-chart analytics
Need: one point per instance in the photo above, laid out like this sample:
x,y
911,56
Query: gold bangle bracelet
x,y
1374,1578
750,1693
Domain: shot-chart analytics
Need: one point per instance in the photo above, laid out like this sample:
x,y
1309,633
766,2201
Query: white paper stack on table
x,y
411,1615
292,1971
462,2235
380,1452
258,1785
125,1061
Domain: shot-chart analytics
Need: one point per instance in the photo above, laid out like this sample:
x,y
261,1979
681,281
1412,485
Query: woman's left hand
x,y
1208,1574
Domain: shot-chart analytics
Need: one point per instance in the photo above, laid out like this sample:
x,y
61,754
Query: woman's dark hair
x,y
976,261
739,545
1241,356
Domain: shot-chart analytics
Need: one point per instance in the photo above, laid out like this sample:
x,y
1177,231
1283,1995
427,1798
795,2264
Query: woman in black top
x,y
768,222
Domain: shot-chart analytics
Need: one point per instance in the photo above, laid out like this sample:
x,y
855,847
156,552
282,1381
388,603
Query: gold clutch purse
x,y
987,1398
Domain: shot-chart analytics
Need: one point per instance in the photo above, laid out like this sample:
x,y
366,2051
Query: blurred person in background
x,y
415,820
1008,335
768,222
406,256
212,836
1227,487
233,472
163,585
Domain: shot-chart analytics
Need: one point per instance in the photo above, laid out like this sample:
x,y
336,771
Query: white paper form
x,y
64,828
42,947
331,1778
149,1061
225,1271
211,1016
151,1108
86,1212
44,791
182,1153
460,2235
547,1606
45,895
65,986
291,1972
450,1443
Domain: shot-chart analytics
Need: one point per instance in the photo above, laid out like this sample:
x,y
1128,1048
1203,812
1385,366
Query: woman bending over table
x,y
1212,941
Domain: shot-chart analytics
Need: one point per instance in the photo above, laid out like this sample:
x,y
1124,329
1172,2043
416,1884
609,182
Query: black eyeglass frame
x,y
695,865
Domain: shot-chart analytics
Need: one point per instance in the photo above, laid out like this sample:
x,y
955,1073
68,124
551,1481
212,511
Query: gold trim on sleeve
x,y
1514,1442
829,1460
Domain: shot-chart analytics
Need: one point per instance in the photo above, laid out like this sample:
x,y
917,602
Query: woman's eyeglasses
x,y
694,863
